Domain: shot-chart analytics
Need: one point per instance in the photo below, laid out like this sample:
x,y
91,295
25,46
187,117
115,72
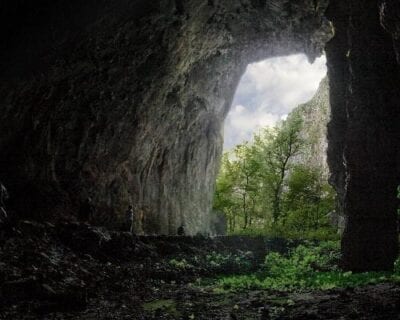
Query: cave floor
x,y
75,271
183,302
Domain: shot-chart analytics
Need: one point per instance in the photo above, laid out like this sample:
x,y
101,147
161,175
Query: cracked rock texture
x,y
124,101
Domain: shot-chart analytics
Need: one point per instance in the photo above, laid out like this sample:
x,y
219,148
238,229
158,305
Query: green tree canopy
x,y
267,185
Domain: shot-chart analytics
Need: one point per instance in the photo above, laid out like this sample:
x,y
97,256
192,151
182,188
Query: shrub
x,y
239,262
306,267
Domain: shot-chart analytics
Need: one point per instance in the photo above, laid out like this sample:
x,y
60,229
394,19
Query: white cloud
x,y
242,122
268,91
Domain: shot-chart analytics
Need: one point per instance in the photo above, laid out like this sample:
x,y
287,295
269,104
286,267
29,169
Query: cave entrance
x,y
126,104
274,172
268,91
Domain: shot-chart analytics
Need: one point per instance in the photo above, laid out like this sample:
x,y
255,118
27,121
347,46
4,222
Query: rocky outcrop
x,y
124,101
315,115
364,132
390,20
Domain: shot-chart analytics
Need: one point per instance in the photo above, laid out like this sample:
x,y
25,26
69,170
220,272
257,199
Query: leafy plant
x,y
306,267
232,262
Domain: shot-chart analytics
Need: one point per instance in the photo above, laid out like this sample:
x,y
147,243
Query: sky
x,y
268,91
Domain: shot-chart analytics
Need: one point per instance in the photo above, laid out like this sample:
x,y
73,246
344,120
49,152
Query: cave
x,y
125,103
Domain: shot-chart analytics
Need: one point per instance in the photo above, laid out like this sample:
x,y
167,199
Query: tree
x,y
237,186
308,199
248,169
223,196
277,148
267,184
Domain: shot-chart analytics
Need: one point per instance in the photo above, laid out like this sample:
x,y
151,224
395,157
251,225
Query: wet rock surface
x,y
75,271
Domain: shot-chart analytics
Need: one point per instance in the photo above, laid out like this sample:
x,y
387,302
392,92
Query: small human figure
x,y
4,196
130,219
181,230
86,211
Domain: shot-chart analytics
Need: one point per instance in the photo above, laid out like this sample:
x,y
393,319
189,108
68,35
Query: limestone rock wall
x,y
364,131
315,115
124,101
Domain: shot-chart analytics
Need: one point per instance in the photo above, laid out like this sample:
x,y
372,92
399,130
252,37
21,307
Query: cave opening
x,y
123,102
274,171
268,91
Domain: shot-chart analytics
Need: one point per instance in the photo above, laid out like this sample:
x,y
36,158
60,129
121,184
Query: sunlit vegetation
x,y
217,262
269,187
305,267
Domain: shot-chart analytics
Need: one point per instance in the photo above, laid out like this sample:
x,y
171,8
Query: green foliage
x,y
303,261
240,261
237,189
266,187
307,202
215,262
306,267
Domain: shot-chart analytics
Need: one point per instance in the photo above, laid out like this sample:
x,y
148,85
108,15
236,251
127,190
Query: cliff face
x,y
364,131
125,101
315,115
